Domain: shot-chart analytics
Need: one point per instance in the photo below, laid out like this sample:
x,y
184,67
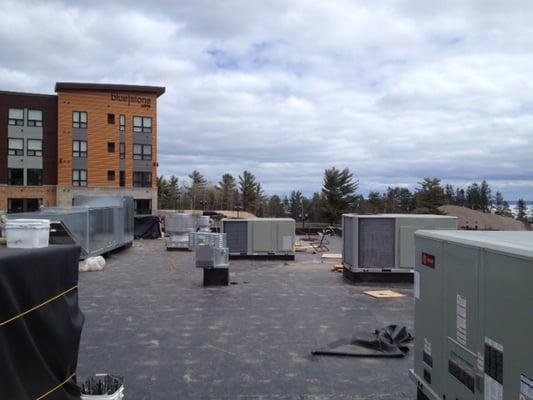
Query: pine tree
x,y
460,198
449,194
173,193
260,201
430,196
473,197
228,192
501,207
485,197
296,200
314,209
521,210
338,192
375,203
248,187
498,203
274,207
398,199
197,188
162,193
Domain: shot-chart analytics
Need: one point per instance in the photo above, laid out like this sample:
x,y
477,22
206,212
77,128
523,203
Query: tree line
x,y
337,196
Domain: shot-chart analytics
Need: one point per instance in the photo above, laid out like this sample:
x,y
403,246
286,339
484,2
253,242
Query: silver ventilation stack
x,y
178,226
204,223
210,248
212,255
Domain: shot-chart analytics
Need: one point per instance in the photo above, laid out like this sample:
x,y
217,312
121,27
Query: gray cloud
x,y
395,91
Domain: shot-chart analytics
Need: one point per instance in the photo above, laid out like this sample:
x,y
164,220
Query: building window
x,y
142,179
16,116
79,177
79,119
23,205
142,152
111,119
142,124
122,150
143,206
122,122
122,178
34,147
110,147
34,177
35,118
15,147
15,176
79,148
110,175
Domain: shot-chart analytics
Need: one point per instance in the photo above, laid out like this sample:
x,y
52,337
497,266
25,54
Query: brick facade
x,y
46,193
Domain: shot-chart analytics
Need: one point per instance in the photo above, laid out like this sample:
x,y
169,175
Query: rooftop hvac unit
x,y
211,254
375,245
178,226
210,248
267,237
473,320
98,225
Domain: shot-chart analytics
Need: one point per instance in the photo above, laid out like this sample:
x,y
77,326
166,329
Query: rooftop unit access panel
x,y
376,243
237,236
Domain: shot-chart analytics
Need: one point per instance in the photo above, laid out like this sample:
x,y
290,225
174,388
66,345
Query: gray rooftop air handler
x,y
381,247
473,315
98,224
260,237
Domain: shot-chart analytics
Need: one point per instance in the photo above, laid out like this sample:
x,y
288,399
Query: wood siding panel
x,y
99,133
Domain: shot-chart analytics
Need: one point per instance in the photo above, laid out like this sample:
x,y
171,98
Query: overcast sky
x,y
393,90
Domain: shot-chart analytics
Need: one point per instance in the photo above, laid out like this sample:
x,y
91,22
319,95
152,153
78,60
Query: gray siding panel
x,y
142,138
79,133
26,132
142,165
79,163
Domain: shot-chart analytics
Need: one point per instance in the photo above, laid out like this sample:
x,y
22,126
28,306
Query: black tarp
x,y
146,227
39,349
391,341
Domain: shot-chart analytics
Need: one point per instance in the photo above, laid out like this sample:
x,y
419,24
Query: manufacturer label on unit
x,y
427,358
428,260
417,284
461,320
287,242
480,361
493,390
526,388
493,370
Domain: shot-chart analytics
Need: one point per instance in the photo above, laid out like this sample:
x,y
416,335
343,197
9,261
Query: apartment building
x,y
89,139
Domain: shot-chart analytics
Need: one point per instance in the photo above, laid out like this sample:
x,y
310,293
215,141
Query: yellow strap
x,y
37,306
57,387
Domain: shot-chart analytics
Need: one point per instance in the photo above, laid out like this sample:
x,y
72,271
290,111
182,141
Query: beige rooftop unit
x,y
473,320
267,237
385,242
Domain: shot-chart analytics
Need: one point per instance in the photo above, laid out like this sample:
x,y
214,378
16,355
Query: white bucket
x,y
118,395
27,233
